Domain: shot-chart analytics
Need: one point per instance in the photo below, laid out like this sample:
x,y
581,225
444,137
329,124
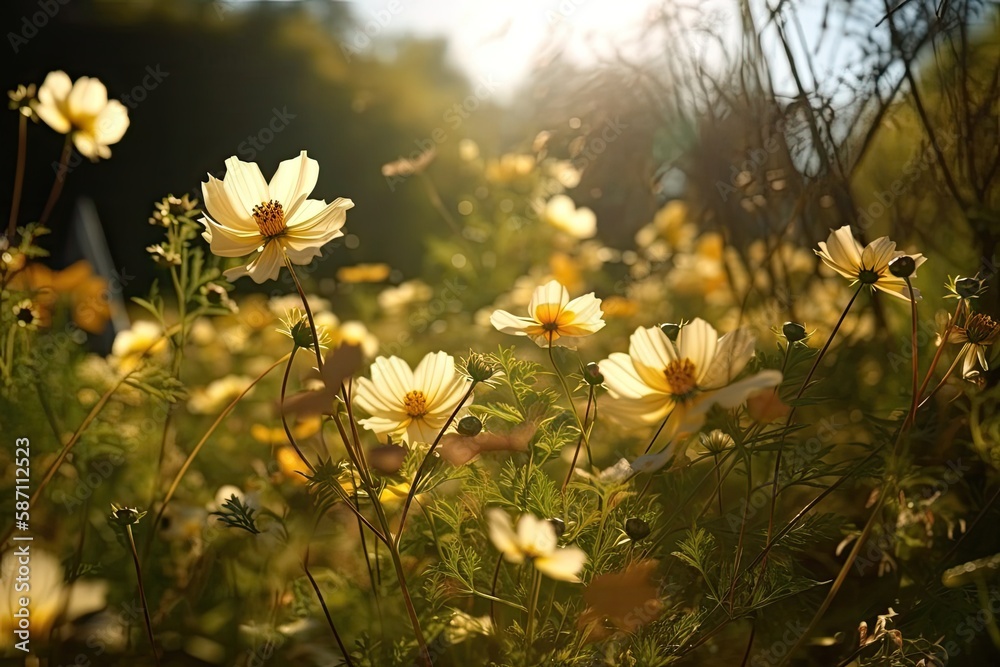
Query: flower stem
x,y
579,442
418,476
22,149
142,593
309,313
937,355
57,185
529,628
572,406
326,611
197,448
913,353
791,413
284,420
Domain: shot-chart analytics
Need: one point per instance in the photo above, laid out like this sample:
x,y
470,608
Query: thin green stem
x,y
284,419
142,593
579,442
419,475
57,185
309,313
913,353
22,150
791,413
326,612
197,448
529,628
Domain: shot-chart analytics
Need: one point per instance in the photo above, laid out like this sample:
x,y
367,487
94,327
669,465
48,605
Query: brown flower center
x,y
981,329
270,218
680,376
415,403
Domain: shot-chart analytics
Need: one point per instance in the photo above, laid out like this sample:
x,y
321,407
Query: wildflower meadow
x,y
679,353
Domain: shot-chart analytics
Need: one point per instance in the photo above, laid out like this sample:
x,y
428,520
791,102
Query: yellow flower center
x,y
415,403
680,376
270,218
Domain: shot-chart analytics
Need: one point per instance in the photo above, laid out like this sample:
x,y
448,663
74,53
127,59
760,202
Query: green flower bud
x,y
903,266
794,332
636,529
479,367
592,374
670,330
968,288
470,426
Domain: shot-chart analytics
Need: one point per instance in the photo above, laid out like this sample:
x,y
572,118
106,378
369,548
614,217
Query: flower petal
x,y
503,536
86,99
245,185
697,341
293,181
563,564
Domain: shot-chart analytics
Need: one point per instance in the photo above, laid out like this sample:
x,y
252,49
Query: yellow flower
x,y
394,494
364,273
218,394
562,213
535,540
274,221
551,316
83,111
869,265
412,405
86,292
51,599
658,377
276,436
144,338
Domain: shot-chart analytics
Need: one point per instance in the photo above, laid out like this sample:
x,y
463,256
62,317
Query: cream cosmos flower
x,y
562,213
551,316
50,599
684,379
979,332
869,265
83,111
246,214
412,405
535,540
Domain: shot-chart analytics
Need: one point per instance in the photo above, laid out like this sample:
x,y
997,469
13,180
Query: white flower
x,y
83,111
658,377
144,338
218,394
412,405
562,213
51,599
551,316
613,476
275,220
535,540
869,265
979,332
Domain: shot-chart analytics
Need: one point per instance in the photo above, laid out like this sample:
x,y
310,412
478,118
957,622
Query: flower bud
x,y
124,516
903,266
470,426
559,526
636,529
592,374
670,330
968,288
479,367
793,332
